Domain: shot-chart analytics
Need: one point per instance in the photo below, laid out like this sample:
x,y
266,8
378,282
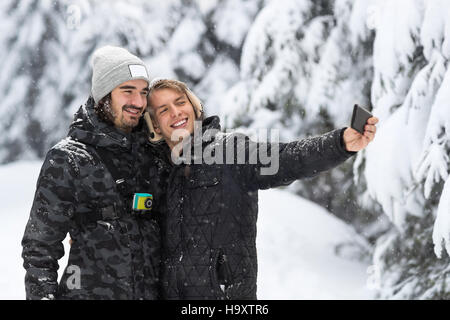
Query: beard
x,y
127,122
108,114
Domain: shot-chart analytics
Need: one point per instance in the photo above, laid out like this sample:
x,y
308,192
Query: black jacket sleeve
x,y
271,165
47,226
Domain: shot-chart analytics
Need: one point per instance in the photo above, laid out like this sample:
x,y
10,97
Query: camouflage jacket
x,y
115,252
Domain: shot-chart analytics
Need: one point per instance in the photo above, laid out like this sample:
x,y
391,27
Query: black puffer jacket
x,y
209,225
115,253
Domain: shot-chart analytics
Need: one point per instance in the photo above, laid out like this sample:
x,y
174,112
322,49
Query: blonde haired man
x,y
209,222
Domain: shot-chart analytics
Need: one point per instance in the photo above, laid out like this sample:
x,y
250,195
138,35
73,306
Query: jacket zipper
x,y
179,273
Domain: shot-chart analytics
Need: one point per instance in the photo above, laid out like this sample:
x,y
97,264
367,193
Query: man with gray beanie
x,y
95,185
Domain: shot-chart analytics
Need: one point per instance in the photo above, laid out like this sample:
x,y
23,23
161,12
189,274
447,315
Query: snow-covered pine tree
x,y
304,64
31,46
46,46
341,78
46,70
205,48
407,165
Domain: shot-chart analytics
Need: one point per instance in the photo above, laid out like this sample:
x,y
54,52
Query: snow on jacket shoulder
x,y
115,253
209,226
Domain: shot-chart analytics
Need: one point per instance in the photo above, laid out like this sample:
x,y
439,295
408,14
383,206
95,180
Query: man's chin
x,y
132,122
128,125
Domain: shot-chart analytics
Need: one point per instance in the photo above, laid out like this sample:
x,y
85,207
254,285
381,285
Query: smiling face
x,y
171,110
128,102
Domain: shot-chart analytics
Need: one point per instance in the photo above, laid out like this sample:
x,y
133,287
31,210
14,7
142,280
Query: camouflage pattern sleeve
x,y
47,227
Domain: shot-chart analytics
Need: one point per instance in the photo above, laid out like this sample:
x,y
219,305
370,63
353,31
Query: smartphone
x,y
359,118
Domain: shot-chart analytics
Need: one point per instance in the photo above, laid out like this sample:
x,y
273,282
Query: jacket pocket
x,y
204,188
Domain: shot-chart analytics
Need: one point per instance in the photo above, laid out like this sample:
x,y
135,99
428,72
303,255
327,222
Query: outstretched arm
x,y
304,158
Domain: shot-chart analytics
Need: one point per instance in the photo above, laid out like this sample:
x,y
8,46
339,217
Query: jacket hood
x,y
88,128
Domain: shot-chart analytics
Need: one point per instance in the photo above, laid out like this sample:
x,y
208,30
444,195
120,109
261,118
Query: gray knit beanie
x,y
112,66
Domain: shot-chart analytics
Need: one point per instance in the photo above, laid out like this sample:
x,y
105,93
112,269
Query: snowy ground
x,y
296,247
296,241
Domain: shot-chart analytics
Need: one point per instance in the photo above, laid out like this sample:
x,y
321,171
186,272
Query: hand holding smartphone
x,y
359,118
